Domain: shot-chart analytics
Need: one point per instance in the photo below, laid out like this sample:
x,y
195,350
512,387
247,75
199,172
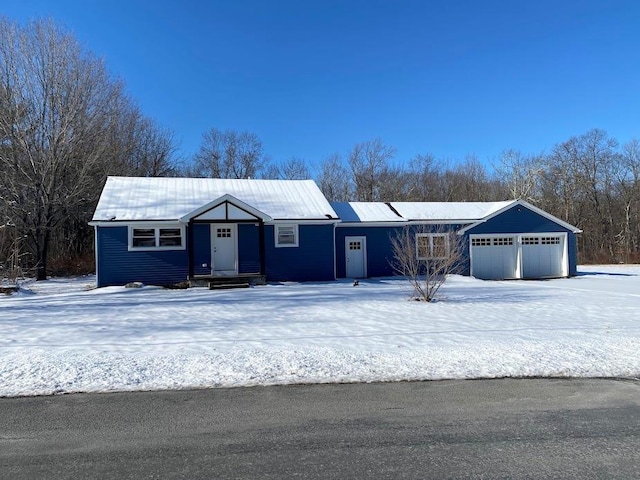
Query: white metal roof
x,y
365,212
154,198
448,211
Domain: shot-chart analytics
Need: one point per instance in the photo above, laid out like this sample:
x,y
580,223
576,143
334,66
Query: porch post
x,y
262,247
190,248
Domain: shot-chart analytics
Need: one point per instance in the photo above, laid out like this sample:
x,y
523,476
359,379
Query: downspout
x,y
335,268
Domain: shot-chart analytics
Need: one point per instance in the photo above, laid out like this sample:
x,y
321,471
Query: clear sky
x,y
313,77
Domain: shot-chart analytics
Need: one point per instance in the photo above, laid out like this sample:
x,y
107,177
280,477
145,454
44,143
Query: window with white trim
x,y
156,238
432,246
286,235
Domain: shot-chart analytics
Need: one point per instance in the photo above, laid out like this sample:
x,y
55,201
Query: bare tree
x,y
292,169
368,161
521,174
424,179
426,257
229,154
333,179
578,186
628,191
57,101
138,146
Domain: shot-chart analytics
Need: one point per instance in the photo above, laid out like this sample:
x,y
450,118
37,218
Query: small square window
x,y
223,232
286,235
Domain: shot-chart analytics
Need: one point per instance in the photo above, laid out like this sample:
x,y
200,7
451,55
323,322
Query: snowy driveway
x,y
62,337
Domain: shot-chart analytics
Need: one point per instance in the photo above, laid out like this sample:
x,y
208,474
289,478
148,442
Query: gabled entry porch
x,y
226,243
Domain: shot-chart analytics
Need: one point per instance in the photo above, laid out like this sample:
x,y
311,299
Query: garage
x,y
528,255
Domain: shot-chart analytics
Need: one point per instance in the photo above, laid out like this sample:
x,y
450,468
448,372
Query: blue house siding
x,y
248,248
117,265
380,252
572,247
201,248
311,260
378,244
519,219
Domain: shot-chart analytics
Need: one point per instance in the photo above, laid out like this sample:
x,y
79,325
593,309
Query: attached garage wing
x,y
527,255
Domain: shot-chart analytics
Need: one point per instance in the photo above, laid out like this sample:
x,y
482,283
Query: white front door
x,y
356,255
224,248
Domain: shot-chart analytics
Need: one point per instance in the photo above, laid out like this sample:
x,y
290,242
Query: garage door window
x,y
480,242
432,246
550,240
503,241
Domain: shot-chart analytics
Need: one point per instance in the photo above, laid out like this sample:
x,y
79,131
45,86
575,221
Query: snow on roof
x,y
406,211
155,198
449,211
365,212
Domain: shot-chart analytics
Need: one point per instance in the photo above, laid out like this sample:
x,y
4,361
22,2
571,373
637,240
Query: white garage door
x,y
527,255
494,258
542,256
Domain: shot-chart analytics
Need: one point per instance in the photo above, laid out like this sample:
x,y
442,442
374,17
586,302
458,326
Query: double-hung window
x,y
156,238
286,235
432,246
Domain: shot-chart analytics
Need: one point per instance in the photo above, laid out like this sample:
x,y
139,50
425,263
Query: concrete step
x,y
225,285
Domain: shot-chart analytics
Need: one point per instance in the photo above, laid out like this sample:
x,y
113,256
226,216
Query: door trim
x,y
363,240
234,235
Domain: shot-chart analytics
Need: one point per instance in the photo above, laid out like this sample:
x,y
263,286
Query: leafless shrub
x,y
426,257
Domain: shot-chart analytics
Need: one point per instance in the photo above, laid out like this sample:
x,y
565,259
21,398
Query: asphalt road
x,y
451,429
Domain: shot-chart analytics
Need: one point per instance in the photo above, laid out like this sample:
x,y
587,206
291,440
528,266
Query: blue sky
x,y
314,77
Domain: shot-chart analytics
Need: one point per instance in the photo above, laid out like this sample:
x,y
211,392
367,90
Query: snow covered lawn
x,y
58,336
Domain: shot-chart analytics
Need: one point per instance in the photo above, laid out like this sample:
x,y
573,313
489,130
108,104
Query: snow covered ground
x,y
62,336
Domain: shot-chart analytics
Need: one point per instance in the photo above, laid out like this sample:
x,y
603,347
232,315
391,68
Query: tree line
x,y
66,124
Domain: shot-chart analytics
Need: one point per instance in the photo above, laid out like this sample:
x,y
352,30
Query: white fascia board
x,y
372,224
441,222
280,221
137,223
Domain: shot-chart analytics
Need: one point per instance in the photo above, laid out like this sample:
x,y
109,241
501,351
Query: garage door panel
x,y
542,256
494,258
